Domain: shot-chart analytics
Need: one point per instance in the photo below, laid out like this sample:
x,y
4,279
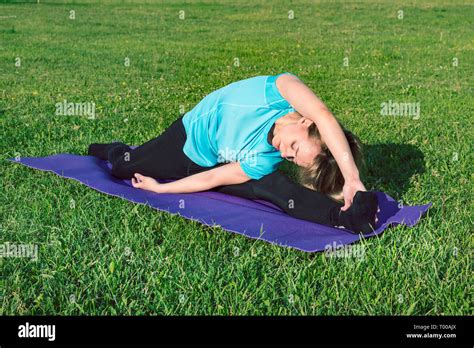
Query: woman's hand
x,y
349,190
145,183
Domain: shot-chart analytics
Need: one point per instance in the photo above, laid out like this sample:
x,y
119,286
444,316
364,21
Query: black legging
x,y
163,158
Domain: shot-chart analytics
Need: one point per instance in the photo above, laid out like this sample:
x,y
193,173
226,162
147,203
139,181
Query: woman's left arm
x,y
227,174
310,106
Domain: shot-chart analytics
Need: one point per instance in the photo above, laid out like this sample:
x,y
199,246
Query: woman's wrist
x,y
159,188
353,176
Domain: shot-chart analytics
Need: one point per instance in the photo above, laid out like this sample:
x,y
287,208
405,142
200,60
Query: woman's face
x,y
295,144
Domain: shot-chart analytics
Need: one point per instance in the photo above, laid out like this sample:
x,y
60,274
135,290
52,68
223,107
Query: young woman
x,y
233,140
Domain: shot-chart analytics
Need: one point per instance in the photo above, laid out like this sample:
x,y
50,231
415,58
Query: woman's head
x,y
297,143
323,174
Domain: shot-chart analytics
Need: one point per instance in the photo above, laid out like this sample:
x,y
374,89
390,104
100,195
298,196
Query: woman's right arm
x,y
303,99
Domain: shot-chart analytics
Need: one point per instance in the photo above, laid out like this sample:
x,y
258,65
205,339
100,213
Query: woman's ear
x,y
305,122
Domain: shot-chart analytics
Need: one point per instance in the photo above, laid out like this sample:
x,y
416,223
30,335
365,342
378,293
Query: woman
x,y
233,141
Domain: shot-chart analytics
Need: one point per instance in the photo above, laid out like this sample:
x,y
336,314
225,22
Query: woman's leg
x,y
160,158
294,199
303,203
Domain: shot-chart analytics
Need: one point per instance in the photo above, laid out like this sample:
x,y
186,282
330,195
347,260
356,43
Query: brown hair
x,y
324,174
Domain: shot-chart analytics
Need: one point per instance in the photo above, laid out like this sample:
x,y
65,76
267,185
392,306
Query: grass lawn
x,y
142,65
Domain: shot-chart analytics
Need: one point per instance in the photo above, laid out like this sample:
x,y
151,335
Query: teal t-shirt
x,y
232,123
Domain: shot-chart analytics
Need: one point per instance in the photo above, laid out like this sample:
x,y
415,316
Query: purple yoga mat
x,y
254,219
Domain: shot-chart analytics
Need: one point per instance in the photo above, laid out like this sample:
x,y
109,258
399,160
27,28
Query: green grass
x,y
103,255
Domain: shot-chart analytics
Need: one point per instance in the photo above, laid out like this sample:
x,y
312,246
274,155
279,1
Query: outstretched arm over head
x,y
303,99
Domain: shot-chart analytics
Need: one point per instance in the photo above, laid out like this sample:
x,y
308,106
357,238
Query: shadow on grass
x,y
390,166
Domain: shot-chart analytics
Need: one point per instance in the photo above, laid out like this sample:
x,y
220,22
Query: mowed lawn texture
x,y
143,64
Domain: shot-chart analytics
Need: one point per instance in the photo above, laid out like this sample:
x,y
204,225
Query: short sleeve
x,y
273,97
260,165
